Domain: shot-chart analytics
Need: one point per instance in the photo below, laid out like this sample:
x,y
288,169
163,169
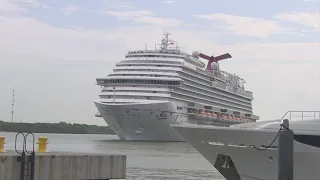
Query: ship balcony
x,y
158,81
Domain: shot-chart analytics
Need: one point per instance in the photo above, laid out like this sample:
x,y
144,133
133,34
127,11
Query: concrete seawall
x,y
64,166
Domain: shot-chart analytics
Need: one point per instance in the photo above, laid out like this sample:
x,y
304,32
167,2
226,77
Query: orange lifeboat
x,y
224,117
202,112
214,114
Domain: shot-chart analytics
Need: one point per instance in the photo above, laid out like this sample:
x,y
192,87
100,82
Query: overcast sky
x,y
52,51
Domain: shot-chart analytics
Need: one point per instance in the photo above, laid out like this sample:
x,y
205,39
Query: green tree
x,y
61,127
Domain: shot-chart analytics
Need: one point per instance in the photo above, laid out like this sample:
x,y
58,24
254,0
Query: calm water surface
x,y
145,160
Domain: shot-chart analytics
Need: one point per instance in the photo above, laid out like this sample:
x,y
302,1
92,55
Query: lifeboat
x,y
202,112
223,117
214,114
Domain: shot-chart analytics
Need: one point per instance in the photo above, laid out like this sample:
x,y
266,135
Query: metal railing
x,y
27,167
301,115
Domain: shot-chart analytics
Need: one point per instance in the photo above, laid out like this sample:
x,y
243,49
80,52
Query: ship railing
x,y
217,74
169,51
224,75
291,115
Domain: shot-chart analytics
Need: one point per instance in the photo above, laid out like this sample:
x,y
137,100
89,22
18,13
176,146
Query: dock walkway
x,y
37,165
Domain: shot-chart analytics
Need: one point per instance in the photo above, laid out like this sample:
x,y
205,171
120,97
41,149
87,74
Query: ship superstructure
x,y
150,89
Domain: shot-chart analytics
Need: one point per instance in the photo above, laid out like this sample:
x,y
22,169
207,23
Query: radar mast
x,y
165,42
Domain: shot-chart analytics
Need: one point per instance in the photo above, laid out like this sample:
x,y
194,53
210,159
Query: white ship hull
x,y
140,121
216,143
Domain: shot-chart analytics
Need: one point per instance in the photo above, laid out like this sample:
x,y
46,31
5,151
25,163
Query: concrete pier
x,y
64,166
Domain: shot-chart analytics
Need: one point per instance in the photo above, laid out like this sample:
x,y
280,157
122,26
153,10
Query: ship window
x,y
191,104
179,108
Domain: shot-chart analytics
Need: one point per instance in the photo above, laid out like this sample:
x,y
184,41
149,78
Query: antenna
x,y
146,46
165,42
12,110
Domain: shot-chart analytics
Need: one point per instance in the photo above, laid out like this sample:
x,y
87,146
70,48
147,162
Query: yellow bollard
x,y
2,143
42,141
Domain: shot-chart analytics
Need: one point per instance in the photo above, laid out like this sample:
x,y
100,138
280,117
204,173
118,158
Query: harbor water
x,y
145,160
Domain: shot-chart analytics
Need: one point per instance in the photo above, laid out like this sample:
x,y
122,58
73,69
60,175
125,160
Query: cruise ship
x,y
151,89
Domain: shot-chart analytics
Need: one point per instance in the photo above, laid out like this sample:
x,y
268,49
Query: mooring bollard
x,y
2,143
42,141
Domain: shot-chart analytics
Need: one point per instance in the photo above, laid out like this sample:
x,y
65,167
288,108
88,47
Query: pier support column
x,y
285,152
